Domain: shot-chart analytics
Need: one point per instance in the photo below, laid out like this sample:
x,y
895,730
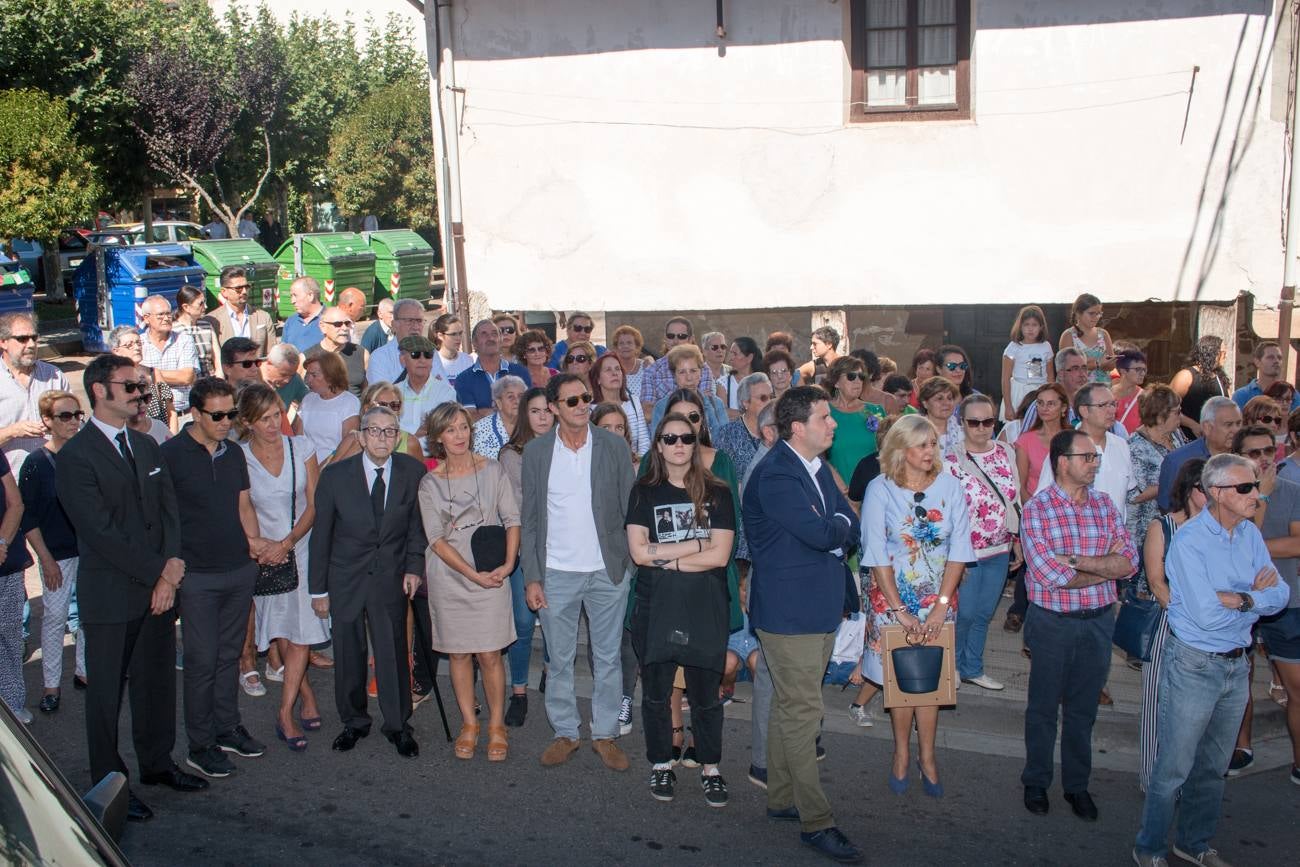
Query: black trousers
x,y
145,649
392,673
706,711
426,658
1020,599
215,605
1069,664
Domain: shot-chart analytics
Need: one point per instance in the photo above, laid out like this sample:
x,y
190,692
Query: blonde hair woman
x,y
916,542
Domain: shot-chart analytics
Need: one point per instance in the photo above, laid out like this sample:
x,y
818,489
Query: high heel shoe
x,y
933,790
498,745
296,743
466,741
897,785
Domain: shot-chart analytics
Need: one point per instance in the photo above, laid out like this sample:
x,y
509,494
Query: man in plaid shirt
x,y
1075,547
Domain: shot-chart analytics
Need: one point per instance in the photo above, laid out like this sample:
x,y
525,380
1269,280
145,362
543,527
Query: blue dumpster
x,y
16,289
112,283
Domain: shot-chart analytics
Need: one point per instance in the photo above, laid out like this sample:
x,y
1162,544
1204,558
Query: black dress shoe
x,y
49,703
1036,800
833,844
175,779
517,712
137,810
1083,806
348,738
405,743
78,682
789,814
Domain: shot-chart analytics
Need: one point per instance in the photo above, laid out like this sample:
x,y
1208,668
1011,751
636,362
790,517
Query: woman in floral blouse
x,y
1158,435
986,469
916,540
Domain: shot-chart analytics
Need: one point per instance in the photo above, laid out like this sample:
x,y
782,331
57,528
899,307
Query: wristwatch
x,y
1247,602
943,600
1073,560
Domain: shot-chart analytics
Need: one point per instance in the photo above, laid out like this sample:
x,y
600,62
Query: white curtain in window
x,y
937,12
937,86
887,87
888,13
938,46
886,48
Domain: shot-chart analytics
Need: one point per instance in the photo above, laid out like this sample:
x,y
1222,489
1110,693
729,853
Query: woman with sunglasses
x,y
938,398
52,537
578,360
916,541
388,396
856,420
469,601
687,365
986,469
609,385
282,475
1266,411
681,523
713,346
743,358
954,365
535,419
1132,367
534,354
448,334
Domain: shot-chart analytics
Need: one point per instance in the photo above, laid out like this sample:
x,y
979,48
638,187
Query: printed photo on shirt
x,y
676,523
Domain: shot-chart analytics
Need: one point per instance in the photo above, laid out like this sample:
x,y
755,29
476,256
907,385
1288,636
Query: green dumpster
x,y
403,264
336,259
262,269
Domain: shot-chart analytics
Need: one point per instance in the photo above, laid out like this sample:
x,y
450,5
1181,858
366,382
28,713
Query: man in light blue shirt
x,y
1268,370
1221,580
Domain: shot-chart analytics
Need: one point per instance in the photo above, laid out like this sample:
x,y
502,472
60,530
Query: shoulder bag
x,y
272,580
1138,620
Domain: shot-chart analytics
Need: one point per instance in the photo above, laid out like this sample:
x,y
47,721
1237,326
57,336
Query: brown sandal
x,y
466,741
498,747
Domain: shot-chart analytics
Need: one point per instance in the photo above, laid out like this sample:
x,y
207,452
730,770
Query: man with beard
x,y
23,381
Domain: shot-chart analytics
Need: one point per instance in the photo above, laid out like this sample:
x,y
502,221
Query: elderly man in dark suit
x,y
117,492
366,558
800,528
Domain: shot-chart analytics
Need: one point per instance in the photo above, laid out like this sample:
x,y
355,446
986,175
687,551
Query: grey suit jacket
x,y
612,477
261,330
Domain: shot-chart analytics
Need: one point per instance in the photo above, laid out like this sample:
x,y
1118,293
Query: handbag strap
x,y
1006,504
293,487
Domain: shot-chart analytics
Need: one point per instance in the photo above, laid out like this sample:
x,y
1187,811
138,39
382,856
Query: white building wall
x,y
616,155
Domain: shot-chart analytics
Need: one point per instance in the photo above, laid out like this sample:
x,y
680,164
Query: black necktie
x,y
377,491
126,452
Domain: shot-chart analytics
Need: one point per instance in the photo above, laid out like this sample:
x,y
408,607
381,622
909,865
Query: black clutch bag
x,y
282,577
488,545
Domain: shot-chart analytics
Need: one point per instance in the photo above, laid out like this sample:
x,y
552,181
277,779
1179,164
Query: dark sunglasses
x,y
671,439
247,363
693,417
717,347
420,353
68,416
576,399
956,365
579,359
1256,454
581,329
1269,419
917,499
853,376
981,422
394,405
674,336
242,287
1243,488
221,415
506,329
536,347
24,338
339,323
130,386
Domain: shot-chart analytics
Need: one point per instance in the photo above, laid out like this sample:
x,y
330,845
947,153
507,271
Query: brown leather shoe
x,y
610,753
1013,623
559,752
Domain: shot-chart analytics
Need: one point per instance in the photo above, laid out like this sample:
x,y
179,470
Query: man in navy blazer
x,y
800,529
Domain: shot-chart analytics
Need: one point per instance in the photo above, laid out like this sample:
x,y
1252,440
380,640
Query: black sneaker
x,y
715,790
210,762
1241,759
517,712
625,716
662,783
241,743
688,758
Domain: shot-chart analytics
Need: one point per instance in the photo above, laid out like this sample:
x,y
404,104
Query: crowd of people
x,y
711,511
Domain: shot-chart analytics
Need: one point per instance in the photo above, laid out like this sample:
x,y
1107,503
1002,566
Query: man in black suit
x,y
367,555
118,494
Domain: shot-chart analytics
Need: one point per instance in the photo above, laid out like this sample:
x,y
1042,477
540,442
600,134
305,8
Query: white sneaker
x,y
1208,858
984,682
252,684
24,716
625,716
275,675
1149,860
861,715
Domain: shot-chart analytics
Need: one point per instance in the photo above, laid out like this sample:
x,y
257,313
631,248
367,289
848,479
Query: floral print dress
x,y
917,534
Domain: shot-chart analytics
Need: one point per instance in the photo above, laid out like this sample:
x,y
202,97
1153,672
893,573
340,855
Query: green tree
x,y
381,157
47,181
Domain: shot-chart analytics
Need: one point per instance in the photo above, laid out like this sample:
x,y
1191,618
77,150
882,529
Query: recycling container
x,y
336,259
110,286
403,264
16,289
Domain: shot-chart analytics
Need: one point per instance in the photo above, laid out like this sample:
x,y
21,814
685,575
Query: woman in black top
x,y
1202,379
55,542
681,529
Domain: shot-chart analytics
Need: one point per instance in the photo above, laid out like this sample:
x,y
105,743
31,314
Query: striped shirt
x,y
1053,524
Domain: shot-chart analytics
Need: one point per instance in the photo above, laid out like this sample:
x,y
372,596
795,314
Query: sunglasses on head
x,y
576,399
420,353
671,439
247,363
579,359
68,416
581,329
956,365
981,422
1242,488
130,386
221,415
672,335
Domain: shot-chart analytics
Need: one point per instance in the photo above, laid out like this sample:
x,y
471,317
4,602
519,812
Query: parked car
x,y
42,818
167,232
28,254
110,238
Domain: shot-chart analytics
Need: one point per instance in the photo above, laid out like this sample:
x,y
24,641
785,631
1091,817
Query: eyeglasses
x,y
981,422
394,405
130,386
1088,457
388,433
220,415
338,323
917,509
68,416
1242,488
687,439
581,329
672,335
1110,404
167,315
576,399
506,329
853,376
717,347
1256,454
242,287
1141,370
1271,419
956,365
246,363
419,354
536,347
410,320
23,338
579,359
777,371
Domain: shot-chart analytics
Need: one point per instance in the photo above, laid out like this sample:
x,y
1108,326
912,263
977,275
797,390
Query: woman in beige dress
x,y
471,609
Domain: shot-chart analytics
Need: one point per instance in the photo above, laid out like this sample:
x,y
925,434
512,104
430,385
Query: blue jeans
x,y
980,591
1202,699
567,594
521,651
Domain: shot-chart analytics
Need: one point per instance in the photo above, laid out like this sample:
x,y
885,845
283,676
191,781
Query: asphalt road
x,y
372,807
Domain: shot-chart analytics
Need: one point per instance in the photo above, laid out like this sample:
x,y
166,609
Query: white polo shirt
x,y
571,541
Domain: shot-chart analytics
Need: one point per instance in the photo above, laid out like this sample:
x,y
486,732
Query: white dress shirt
x,y
572,544
370,468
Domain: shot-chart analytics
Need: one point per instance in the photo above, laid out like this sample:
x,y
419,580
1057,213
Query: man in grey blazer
x,y
234,317
576,482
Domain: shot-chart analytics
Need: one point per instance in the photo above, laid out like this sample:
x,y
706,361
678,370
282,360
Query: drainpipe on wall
x,y
446,140
1291,269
